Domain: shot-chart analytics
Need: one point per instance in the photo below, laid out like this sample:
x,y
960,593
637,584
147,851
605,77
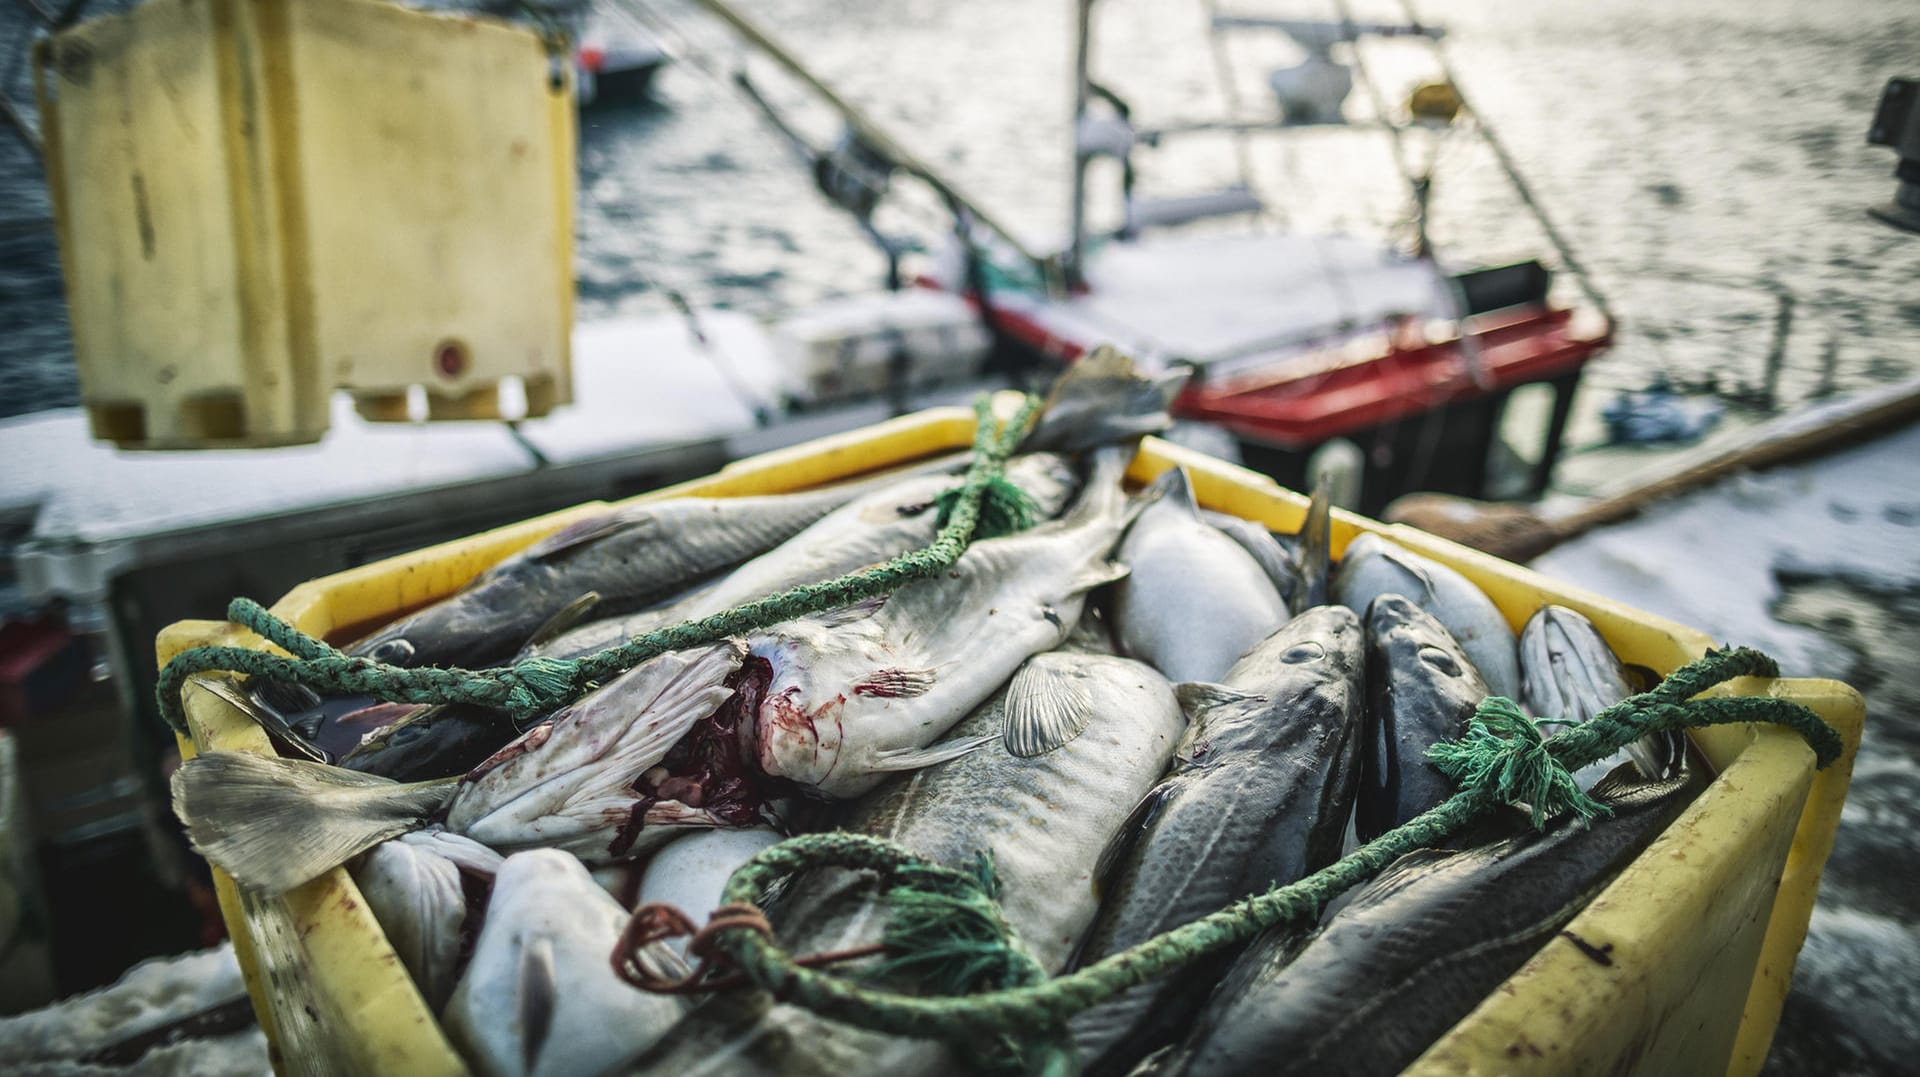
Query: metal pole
x,y
1077,246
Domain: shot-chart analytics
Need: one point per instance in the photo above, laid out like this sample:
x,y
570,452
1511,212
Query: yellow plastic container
x,y
260,200
1701,931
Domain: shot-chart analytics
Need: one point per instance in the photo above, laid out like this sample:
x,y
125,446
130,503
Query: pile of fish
x,y
1139,711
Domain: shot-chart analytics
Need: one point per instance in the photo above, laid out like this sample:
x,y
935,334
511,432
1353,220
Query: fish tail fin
x,y
1103,399
275,823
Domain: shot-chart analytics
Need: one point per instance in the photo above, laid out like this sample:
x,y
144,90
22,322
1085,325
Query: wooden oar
x,y
1523,532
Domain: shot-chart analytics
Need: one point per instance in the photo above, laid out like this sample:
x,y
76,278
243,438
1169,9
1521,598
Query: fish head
x,y
1325,639
798,730
1404,640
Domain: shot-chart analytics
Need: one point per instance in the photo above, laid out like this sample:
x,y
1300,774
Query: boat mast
x,y
1077,244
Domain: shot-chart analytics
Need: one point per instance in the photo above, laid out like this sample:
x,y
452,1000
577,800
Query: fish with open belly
x,y
1193,600
575,781
1403,958
1259,796
1043,818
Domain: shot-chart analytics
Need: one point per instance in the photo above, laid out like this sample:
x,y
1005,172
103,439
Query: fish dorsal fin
x,y
1316,545
275,823
850,614
567,617
1196,696
538,993
582,533
1048,704
1137,823
916,758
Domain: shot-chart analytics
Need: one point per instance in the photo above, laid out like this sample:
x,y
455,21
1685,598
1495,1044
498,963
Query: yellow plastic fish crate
x,y
1697,937
260,200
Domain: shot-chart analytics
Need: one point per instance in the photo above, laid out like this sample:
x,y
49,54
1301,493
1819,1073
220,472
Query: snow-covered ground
x,y
1817,564
46,1042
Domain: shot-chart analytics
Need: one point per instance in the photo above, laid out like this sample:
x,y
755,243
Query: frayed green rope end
x,y
1503,757
945,929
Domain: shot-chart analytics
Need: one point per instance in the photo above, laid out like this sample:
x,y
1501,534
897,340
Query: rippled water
x,y
1703,159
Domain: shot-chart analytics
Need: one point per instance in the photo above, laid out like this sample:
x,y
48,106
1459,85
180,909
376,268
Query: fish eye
x,y
391,652
1438,658
1303,652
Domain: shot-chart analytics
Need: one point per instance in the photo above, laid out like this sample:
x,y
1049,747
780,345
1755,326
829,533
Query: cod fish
x,y
1193,601
540,997
1374,566
874,528
845,697
1570,675
1043,819
1259,796
420,887
628,557
1421,689
587,780
1403,958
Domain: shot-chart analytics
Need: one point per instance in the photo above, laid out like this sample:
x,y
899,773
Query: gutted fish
x,y
1260,793
1193,600
579,781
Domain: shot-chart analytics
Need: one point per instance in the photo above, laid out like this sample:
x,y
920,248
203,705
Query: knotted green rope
x,y
984,504
1497,761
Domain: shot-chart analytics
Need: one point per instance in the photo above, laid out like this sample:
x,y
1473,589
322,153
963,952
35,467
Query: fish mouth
x,y
707,779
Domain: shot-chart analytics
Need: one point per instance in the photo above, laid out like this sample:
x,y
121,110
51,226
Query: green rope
x,y
984,504
1500,760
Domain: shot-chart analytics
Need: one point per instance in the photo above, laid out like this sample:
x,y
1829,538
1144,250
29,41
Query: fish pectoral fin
x,y
916,758
256,707
1048,705
538,993
275,823
1138,822
582,533
1097,575
1196,696
846,615
569,615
